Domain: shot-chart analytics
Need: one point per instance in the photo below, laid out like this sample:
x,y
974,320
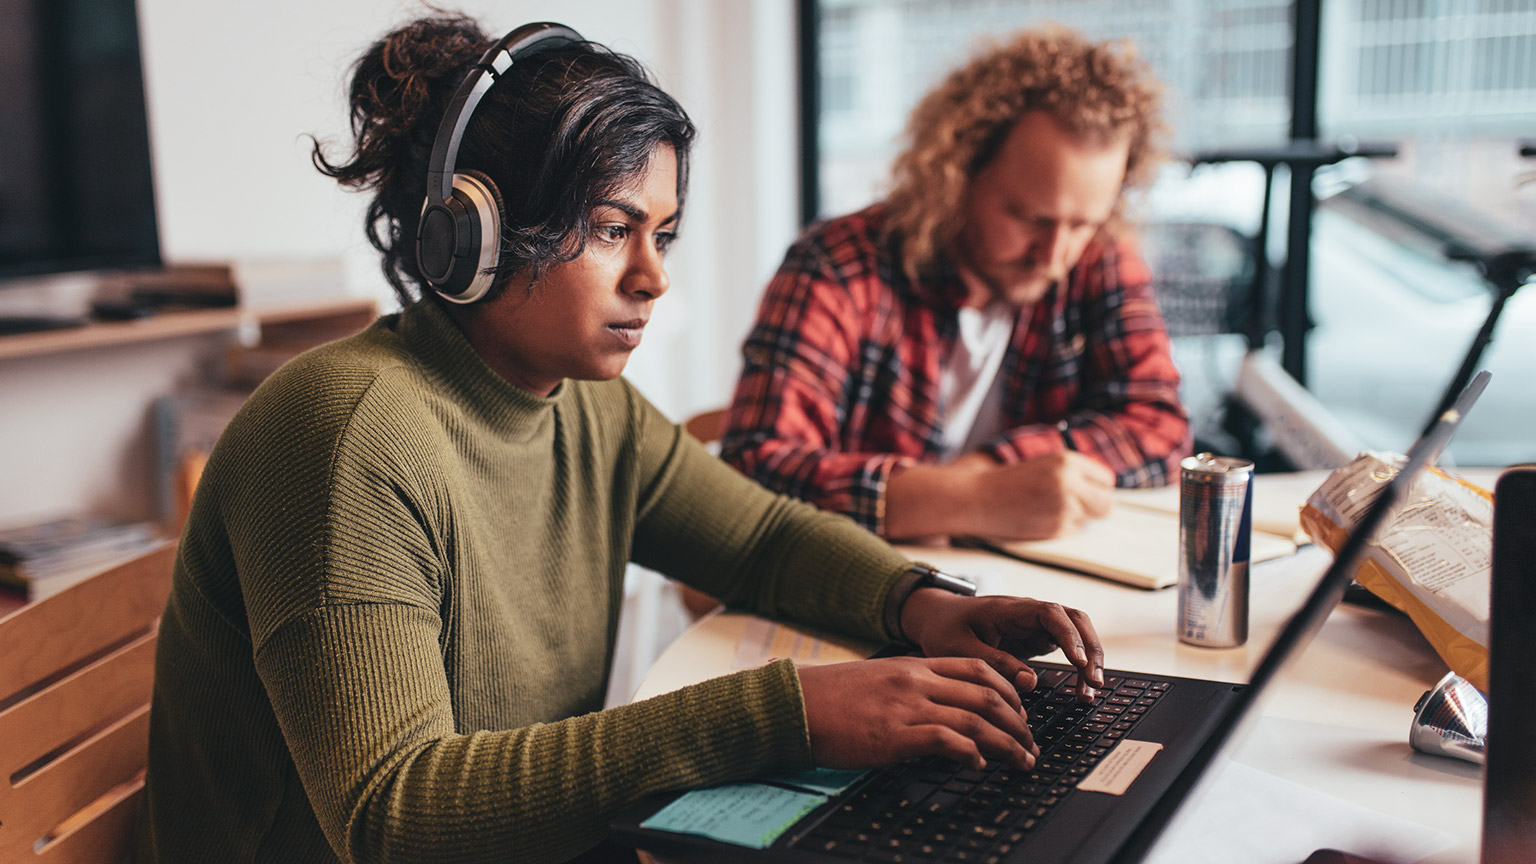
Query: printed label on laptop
x,y
1120,767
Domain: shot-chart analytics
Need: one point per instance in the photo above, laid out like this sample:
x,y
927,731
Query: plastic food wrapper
x,y
1432,560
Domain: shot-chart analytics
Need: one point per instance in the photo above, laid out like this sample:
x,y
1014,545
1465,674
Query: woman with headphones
x,y
396,597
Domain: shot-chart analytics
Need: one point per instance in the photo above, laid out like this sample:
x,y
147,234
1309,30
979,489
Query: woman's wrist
x,y
907,608
919,610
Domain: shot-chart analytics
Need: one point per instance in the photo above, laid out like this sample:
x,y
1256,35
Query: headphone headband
x,y
521,43
458,236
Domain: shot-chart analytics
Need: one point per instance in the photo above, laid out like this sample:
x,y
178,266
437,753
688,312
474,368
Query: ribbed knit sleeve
x,y
706,524
390,780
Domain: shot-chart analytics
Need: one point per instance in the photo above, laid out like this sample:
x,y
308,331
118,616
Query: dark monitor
x,y
75,186
1509,794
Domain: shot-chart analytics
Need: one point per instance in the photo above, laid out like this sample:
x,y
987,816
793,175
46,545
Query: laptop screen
x,y
1509,793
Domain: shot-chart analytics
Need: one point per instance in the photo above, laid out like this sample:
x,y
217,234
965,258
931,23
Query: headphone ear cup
x,y
459,244
488,188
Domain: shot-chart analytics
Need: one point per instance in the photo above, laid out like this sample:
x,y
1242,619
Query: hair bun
x,y
398,92
394,84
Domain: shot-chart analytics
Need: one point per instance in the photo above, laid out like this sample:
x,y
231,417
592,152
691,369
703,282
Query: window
x,y
1451,82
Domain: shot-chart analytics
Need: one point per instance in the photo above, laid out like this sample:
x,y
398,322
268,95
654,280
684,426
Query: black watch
x,y
920,576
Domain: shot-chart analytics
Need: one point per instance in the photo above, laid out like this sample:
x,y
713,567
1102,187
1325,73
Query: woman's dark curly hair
x,y
571,126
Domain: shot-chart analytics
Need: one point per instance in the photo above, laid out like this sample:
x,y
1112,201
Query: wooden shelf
x,y
171,325
167,325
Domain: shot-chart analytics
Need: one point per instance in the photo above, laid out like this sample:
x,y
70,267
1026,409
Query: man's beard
x,y
1020,284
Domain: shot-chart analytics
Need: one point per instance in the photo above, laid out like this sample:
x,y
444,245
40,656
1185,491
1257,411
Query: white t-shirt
x,y
970,396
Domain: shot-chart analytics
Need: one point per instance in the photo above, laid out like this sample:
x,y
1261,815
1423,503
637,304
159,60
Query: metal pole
x,y
1258,293
807,13
1294,320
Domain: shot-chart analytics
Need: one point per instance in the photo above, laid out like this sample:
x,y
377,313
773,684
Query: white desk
x,y
1337,721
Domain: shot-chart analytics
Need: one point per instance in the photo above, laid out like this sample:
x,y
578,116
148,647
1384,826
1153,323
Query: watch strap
x,y
919,575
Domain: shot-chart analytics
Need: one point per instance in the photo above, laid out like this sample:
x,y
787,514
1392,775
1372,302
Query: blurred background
x,y
1346,173
1448,85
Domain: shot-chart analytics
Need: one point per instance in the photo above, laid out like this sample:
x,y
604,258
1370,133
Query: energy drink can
x,y
1215,529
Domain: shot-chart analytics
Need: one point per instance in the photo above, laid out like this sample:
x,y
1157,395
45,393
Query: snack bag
x,y
1432,560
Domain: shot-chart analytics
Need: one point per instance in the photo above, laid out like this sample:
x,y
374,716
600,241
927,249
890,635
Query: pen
x,y
1066,435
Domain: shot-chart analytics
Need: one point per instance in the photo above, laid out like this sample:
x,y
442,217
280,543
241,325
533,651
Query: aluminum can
x,y
1215,530
1451,720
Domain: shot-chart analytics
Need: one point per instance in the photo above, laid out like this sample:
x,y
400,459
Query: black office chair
x,y
1201,273
1202,277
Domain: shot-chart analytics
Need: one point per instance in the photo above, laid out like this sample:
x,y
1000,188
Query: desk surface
x,y
1336,721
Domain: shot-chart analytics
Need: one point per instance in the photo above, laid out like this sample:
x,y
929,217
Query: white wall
x,y
234,88
76,427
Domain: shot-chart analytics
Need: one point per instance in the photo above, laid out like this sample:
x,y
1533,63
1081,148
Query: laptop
x,y
1110,776
1509,791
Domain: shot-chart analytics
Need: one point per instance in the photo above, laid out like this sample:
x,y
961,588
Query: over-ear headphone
x,y
458,238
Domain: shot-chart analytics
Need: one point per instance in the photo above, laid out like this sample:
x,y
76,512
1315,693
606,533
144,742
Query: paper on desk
x,y
1249,815
763,641
746,814
1277,501
1133,545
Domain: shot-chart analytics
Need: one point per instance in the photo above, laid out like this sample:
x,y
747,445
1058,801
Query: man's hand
x,y
1001,630
1043,497
876,712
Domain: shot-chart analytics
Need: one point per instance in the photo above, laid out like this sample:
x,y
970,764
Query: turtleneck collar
x,y
447,357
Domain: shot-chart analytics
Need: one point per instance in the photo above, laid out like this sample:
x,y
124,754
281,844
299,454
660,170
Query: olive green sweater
x,y
395,605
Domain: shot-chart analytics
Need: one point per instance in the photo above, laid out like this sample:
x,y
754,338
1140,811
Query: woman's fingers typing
x,y
876,712
1070,629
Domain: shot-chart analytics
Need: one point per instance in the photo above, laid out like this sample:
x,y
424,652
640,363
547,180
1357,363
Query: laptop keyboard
x,y
936,810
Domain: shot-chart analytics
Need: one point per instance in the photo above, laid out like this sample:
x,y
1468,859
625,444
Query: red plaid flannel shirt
x,y
840,382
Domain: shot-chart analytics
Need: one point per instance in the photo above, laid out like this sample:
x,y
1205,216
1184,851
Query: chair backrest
x,y
76,673
1202,275
707,426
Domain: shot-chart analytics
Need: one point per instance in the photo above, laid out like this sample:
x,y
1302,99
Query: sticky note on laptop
x,y
745,814
828,781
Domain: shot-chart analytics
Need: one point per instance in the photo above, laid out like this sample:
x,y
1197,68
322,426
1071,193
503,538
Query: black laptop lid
x,y
1303,625
1509,793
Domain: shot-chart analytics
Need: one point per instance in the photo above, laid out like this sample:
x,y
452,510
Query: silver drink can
x,y
1215,529
1451,720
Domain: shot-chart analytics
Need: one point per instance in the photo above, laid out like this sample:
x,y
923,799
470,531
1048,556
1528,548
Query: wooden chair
x,y
707,426
75,683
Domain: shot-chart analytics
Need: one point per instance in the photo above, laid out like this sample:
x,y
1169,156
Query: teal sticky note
x,y
745,814
828,781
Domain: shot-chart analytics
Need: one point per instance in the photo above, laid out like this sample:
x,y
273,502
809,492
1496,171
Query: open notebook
x,y
1277,502
1135,545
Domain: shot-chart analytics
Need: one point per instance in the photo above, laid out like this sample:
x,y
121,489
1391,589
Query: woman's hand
x,y
1000,630
876,712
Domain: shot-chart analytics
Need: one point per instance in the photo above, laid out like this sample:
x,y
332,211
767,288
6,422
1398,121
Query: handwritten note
x,y
745,814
